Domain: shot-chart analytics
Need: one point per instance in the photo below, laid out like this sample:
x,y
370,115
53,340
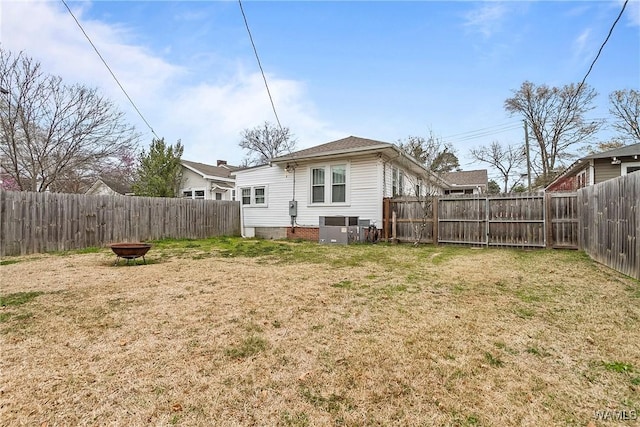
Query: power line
x,y
109,68
259,64
481,133
602,47
481,129
465,136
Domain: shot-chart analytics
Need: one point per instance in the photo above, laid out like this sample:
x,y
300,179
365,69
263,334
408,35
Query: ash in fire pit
x,y
130,251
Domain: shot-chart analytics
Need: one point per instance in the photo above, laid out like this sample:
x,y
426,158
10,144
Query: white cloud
x,y
486,19
207,117
633,13
582,45
215,115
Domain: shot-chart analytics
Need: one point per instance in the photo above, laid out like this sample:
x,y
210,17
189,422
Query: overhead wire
x,y
483,129
465,136
255,51
110,70
602,47
471,135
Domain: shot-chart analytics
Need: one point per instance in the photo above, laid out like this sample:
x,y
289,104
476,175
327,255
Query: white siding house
x,y
202,181
348,177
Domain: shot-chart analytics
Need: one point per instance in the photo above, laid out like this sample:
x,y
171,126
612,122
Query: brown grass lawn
x,y
230,332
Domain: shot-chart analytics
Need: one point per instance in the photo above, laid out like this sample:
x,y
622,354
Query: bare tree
x,y
436,155
420,189
604,146
625,108
504,158
556,120
265,142
52,133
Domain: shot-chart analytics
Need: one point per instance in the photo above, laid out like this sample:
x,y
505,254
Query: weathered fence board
x,y
610,223
42,222
523,220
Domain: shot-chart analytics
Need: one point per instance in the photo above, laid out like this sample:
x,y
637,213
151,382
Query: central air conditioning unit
x,y
340,230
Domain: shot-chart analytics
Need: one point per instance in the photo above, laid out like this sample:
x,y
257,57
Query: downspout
x,y
241,216
293,198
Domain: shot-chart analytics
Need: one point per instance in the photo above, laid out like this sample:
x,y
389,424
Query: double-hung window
x,y
254,196
193,194
317,185
329,184
397,182
259,195
338,184
246,196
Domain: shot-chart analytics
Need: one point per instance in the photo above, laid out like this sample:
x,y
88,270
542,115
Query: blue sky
x,y
380,70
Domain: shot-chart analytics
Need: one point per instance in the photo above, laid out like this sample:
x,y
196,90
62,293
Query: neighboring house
x,y
201,181
106,187
349,177
598,168
467,182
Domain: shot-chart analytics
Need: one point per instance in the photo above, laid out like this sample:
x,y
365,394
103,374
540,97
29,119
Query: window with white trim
x,y
317,185
259,195
329,184
193,194
581,179
254,196
630,167
397,182
246,196
338,184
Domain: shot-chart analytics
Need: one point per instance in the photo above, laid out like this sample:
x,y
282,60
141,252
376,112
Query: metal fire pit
x,y
130,251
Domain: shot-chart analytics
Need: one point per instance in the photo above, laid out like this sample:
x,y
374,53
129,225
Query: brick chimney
x,y
221,163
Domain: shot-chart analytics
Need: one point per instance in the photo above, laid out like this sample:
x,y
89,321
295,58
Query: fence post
x,y
434,231
393,227
547,221
386,207
486,218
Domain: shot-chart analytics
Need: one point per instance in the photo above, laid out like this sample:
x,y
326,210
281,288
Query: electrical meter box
x,y
293,208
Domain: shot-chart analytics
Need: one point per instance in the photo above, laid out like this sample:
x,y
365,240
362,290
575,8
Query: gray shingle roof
x,y
210,170
349,144
475,177
627,150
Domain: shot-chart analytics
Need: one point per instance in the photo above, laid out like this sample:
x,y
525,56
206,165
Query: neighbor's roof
x,y
468,178
627,150
349,144
209,170
118,187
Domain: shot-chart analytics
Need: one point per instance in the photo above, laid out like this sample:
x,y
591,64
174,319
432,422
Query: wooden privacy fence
x,y
527,220
610,223
42,222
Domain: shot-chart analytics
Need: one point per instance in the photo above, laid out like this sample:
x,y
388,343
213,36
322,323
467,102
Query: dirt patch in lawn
x,y
300,334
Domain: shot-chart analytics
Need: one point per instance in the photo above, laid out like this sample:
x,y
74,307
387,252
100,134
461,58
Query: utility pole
x,y
526,145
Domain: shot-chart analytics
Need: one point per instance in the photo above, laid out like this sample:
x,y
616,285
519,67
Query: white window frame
x,y
397,182
329,184
625,165
581,179
253,200
263,196
192,194
242,196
